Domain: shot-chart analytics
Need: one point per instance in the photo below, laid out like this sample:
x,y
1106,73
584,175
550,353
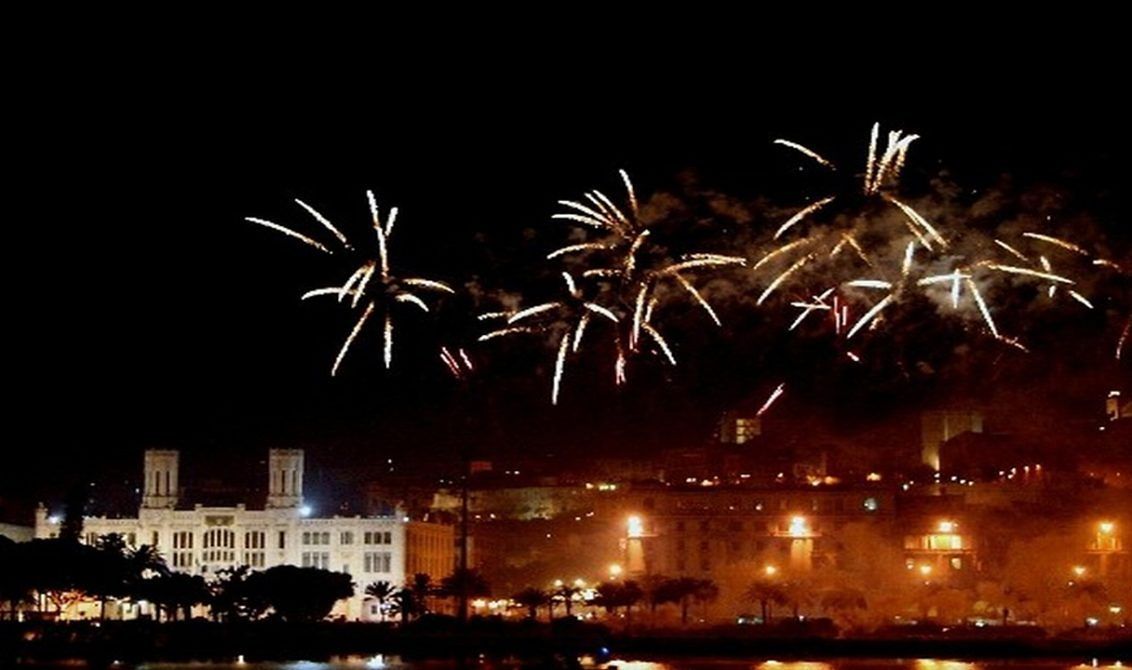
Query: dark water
x,y
381,662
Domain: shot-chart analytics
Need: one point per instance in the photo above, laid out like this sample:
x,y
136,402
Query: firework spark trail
x,y
631,192
619,368
598,309
1080,298
1017,254
770,401
1108,263
807,151
608,211
631,257
623,221
388,341
586,220
580,331
718,261
870,162
918,219
818,304
851,241
802,214
660,341
782,277
869,316
786,248
505,331
909,252
559,368
532,311
638,314
575,248
1056,241
1030,273
330,290
350,338
428,284
1123,337
982,307
699,298
570,285
870,283
363,282
1048,268
287,231
325,223
450,361
487,316
412,299
593,217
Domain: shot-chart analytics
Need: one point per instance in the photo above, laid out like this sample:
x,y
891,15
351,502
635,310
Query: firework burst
x,y
371,287
617,282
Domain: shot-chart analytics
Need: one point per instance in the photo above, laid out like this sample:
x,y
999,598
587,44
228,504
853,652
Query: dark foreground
x,y
139,641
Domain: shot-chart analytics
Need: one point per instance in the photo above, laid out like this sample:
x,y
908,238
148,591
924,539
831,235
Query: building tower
x,y
285,478
160,479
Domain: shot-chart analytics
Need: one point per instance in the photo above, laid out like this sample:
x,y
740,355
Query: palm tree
x,y
705,592
565,593
464,585
406,603
532,599
421,588
766,592
381,592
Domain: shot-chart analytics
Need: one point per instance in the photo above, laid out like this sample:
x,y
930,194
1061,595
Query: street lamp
x,y
770,571
1079,570
947,526
1106,527
614,571
635,527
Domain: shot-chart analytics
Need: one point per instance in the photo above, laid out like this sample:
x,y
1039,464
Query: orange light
x,y
947,526
636,527
925,570
1106,527
770,570
799,527
1079,570
615,570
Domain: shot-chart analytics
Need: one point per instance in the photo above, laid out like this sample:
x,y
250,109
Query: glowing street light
x,y
636,527
799,527
614,571
947,526
770,571
1079,570
925,570
1106,527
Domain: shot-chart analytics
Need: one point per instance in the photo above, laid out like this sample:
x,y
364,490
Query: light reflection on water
x,y
390,662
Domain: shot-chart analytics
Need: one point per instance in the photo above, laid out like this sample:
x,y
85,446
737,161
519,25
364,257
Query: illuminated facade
x,y
204,540
942,552
697,532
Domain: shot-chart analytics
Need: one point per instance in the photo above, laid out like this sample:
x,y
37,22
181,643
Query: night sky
x,y
147,313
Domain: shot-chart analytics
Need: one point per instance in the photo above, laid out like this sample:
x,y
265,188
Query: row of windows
x,y
783,505
316,559
219,556
378,561
316,538
254,559
219,537
378,537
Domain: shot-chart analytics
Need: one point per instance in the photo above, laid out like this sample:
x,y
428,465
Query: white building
x,y
203,540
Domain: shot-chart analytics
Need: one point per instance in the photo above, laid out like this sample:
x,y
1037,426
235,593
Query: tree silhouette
x,y
381,592
531,598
